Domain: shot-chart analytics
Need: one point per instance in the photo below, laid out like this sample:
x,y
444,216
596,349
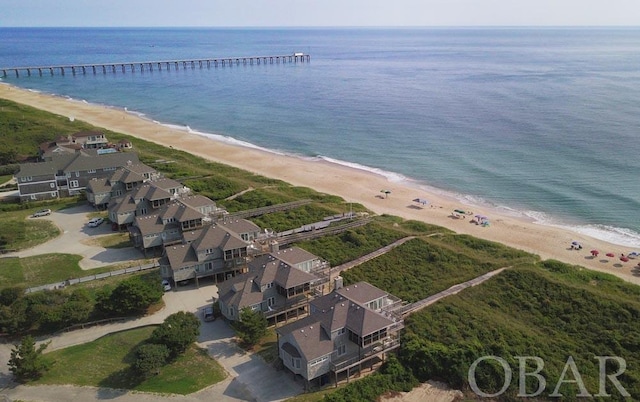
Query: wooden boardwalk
x,y
335,271
455,289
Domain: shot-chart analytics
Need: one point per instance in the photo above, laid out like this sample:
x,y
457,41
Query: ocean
x,y
541,123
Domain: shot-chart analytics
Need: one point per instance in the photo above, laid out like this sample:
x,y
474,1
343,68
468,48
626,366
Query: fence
x,y
60,285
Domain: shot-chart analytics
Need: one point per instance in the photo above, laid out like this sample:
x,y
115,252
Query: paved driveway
x,y
76,239
250,378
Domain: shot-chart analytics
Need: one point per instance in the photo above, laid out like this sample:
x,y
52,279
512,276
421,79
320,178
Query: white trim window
x,y
295,362
73,183
342,349
52,185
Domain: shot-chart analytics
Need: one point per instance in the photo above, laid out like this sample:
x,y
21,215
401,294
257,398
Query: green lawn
x,y
105,362
42,270
5,178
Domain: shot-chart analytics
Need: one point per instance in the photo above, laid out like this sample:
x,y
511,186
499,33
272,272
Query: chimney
x,y
338,282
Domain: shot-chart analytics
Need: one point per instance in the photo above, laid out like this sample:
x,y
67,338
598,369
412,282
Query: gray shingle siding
x,y
70,174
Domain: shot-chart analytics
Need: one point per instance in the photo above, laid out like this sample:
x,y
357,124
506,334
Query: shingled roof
x,y
269,268
312,340
214,236
179,212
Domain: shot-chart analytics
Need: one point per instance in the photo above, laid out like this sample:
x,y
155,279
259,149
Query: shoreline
x,y
351,183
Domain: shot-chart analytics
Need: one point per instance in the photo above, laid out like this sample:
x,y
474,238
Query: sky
x,y
310,13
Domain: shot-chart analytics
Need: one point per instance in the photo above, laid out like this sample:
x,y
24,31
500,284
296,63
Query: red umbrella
x,y
610,255
624,259
595,253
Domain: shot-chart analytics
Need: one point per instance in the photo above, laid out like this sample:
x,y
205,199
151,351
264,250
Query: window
x,y
295,362
271,301
52,185
342,349
73,183
269,285
341,331
28,178
91,171
77,174
231,311
54,193
33,197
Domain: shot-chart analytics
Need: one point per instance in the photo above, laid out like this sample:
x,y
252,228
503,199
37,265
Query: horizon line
x,y
323,26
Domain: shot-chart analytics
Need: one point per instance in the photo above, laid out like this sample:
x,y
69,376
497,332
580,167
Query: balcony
x,y
353,359
291,303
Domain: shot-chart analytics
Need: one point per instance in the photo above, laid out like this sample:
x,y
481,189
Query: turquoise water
x,y
542,123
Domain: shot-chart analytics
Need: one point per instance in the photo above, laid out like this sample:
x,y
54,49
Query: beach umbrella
x,y
575,243
610,255
386,192
624,259
421,201
595,253
481,217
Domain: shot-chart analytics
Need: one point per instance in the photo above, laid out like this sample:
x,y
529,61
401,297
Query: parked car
x,y
208,314
42,212
166,285
95,222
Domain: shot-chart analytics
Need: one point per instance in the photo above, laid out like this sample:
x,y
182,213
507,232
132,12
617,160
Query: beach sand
x,y
354,185
430,391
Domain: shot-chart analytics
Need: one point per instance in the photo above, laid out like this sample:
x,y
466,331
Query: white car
x,y
166,285
95,222
42,212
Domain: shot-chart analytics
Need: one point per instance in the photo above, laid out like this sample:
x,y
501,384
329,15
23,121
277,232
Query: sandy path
x,y
352,184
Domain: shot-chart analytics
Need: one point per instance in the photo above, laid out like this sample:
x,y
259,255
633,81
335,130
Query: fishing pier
x,y
143,66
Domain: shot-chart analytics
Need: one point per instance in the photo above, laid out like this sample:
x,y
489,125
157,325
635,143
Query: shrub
x,y
150,358
177,332
133,295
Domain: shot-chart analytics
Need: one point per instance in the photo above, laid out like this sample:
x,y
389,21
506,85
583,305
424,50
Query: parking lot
x,y
75,239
